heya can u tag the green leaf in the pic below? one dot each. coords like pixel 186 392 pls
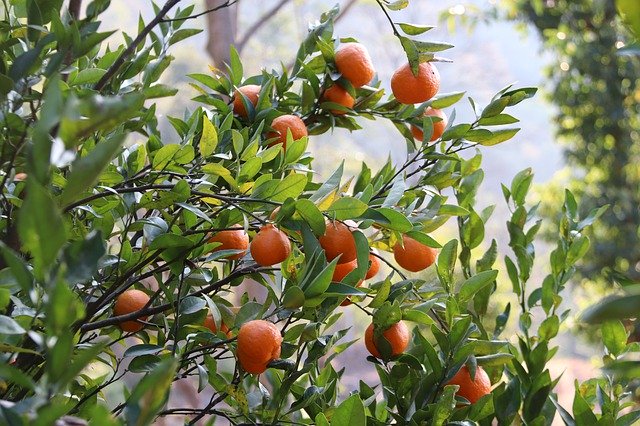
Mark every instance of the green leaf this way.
pixel 577 249
pixel 290 187
pixel 498 136
pixel 476 283
pixel 150 394
pixel 613 308
pixel 86 170
pixel 209 139
pixel 164 241
pixel 40 227
pixel 614 337
pixel 382 294
pixel 319 284
pixel 164 156
pixel 183 34
pixel 18 267
pixel 329 185
pixel 446 263
pixel 349 413
pixel 498 120
pixel 312 215
pixel 87 76
pixel 582 411
pixel 413 29
pixel 346 208
pixel 13 375
pixel 82 257
pixel 495 108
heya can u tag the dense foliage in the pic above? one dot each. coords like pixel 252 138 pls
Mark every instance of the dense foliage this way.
pixel 88 213
pixel 594 82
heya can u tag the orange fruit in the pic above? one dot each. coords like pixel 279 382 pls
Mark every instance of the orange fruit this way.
pixel 20 177
pixel 270 246
pixel 397 335
pixel 338 240
pixel 233 239
pixel 374 267
pixel 343 269
pixel 338 95
pixel 414 256
pixel 286 122
pixel 258 344
pixel 471 390
pixel 211 325
pixel 411 89
pixel 438 126
pixel 354 63
pixel 128 302
pixel 252 92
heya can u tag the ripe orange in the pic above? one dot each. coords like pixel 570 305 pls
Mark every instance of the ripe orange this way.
pixel 128 302
pixel 338 95
pixel 235 239
pixel 411 89
pixel 438 126
pixel 374 267
pixel 270 246
pixel 286 122
pixel 258 344
pixel 397 335
pixel 343 269
pixel 211 325
pixel 354 63
pixel 252 92
pixel 414 256
pixel 338 240
pixel 472 390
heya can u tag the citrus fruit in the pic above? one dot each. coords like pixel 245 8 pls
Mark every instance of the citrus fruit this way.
pixel 471 390
pixel 251 92
pixel 374 267
pixel 20 177
pixel 411 89
pixel 343 269
pixel 286 122
pixel 128 302
pixel 232 239
pixel 258 344
pixel 211 325
pixel 438 126
pixel 338 95
pixel 270 246
pixel 397 335
pixel 338 241
pixel 354 63
pixel 413 255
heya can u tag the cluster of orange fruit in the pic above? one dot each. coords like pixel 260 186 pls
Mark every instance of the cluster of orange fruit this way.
pixel 259 341
pixel 353 62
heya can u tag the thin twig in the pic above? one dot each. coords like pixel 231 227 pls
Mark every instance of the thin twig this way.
pixel 197 15
pixel 250 32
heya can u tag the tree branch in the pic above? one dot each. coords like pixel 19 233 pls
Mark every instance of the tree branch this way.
pixel 266 17
pixel 113 69
pixel 197 15
pixel 152 310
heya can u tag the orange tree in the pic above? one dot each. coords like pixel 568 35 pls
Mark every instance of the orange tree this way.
pixel 120 261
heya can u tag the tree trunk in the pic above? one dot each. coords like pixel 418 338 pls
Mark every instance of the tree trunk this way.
pixel 223 28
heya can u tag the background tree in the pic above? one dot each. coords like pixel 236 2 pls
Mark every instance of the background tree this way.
pixel 595 87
